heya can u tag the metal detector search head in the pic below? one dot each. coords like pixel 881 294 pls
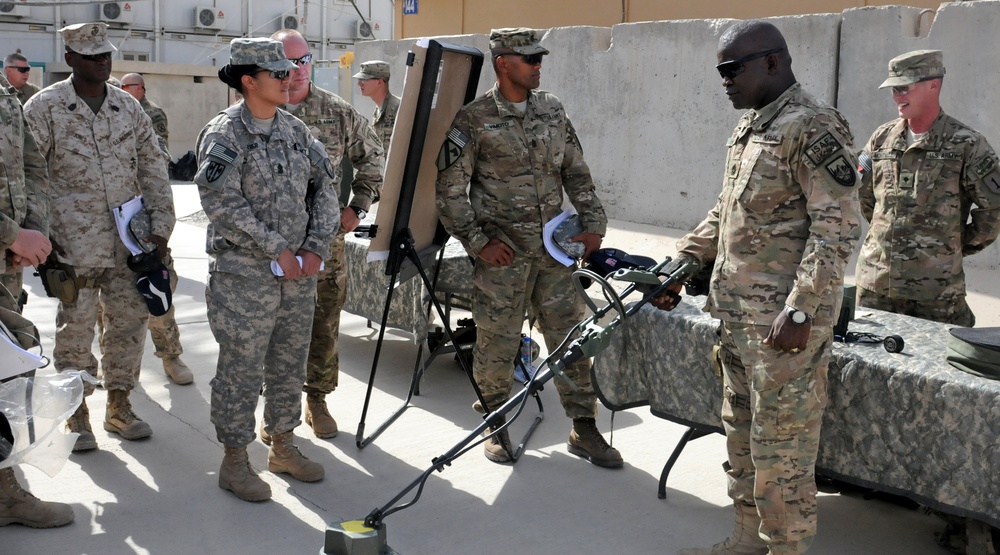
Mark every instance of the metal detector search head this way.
pixel 352 537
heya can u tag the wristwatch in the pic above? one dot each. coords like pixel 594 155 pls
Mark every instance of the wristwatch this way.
pixel 361 212
pixel 798 317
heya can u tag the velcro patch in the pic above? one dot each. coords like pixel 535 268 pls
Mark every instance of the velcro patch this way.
pixel 223 152
pixel 842 171
pixel 495 126
pixel 319 157
pixel 992 182
pixel 452 149
pixel 822 148
pixel 766 138
pixel 983 166
pixel 218 163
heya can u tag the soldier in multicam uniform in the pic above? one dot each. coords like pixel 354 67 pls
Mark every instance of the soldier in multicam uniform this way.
pixel 346 135
pixel 780 236
pixel 163 329
pixel 268 189
pixel 373 80
pixel 16 67
pixel 101 152
pixel 932 196
pixel 24 215
pixel 509 160
pixel 23 225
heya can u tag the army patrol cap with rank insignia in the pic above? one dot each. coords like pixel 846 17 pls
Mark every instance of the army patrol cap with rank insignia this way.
pixel 375 69
pixel 87 38
pixel 520 40
pixel 261 52
pixel 914 67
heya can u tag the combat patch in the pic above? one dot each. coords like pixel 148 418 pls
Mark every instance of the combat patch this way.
pixel 842 171
pixel 319 157
pixel 218 163
pixel 822 148
pixel 452 149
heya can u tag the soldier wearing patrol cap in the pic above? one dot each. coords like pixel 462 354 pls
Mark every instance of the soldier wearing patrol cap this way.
pixel 373 80
pixel 268 189
pixel 780 237
pixel 101 152
pixel 931 191
pixel 509 161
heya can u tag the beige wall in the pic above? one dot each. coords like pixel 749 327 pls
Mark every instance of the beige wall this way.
pixel 458 17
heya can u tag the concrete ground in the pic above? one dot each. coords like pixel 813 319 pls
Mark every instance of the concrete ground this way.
pixel 160 495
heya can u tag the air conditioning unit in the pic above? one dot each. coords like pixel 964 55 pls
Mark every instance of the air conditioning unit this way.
pixel 209 18
pixel 367 30
pixel 115 12
pixel 14 9
pixel 290 22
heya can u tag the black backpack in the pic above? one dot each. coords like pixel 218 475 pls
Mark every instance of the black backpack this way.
pixel 184 168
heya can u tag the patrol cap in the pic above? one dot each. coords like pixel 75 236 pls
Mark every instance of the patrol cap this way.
pixel 519 40
pixel 375 69
pixel 262 52
pixel 976 351
pixel 87 38
pixel 911 67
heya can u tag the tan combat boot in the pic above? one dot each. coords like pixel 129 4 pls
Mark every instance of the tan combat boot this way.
pixel 17 506
pixel 286 457
pixel 177 371
pixel 264 436
pixel 493 448
pixel 587 442
pixel 237 476
pixel 318 417
pixel 745 540
pixel 80 423
pixel 119 418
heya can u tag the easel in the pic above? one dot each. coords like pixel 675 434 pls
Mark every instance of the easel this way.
pixel 402 245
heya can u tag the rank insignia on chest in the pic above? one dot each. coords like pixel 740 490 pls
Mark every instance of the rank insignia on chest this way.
pixel 823 148
pixel 842 171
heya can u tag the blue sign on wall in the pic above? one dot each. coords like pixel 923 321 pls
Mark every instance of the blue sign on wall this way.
pixel 410 7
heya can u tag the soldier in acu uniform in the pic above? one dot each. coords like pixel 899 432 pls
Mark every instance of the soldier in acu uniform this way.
pixel 517 158
pixel 347 136
pixel 780 237
pixel 267 187
pixel 373 80
pixel 101 152
pixel 931 191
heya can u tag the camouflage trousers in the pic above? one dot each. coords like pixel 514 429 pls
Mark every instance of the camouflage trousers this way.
pixel 323 367
pixel 262 327
pixel 124 320
pixel 954 311
pixel 501 298
pixel 772 410
pixel 163 329
pixel 14 282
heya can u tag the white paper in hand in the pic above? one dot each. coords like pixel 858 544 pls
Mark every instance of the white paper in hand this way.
pixel 276 268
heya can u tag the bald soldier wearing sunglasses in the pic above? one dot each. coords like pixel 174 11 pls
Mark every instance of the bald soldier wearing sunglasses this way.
pixel 780 237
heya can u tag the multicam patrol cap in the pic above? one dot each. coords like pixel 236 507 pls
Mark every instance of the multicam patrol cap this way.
pixel 520 40
pixel 911 67
pixel 87 38
pixel 375 69
pixel 262 52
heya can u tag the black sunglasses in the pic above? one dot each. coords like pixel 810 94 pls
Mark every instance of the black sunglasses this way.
pixel 732 68
pixel 301 61
pixel 530 59
pixel 102 57
pixel 20 69
pixel 279 74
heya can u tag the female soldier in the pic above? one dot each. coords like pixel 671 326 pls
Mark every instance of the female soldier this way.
pixel 268 190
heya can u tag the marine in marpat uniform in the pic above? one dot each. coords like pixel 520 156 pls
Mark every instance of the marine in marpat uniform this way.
pixel 931 191
pixel 780 237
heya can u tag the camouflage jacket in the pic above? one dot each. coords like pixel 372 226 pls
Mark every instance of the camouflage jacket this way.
pixel 343 131
pixel 27 91
pixel 505 173
pixel 263 194
pixel 788 216
pixel 384 118
pixel 97 162
pixel 919 201
pixel 23 175
pixel 159 119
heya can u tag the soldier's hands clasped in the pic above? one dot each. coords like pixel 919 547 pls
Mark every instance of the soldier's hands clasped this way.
pixel 497 253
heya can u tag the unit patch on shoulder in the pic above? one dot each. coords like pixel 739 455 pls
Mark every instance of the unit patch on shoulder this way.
pixel 992 182
pixel 218 163
pixel 842 171
pixel 452 149
pixel 823 148
pixel 984 165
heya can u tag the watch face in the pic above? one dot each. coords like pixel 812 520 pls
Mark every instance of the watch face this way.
pixel 799 317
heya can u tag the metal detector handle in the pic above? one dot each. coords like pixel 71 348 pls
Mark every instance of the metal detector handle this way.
pixel 366 231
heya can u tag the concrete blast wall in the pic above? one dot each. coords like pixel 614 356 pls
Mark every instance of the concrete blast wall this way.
pixel 650 111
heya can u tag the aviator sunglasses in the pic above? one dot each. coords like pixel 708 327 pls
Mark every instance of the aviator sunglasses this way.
pixel 732 68
pixel 280 74
pixel 20 69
